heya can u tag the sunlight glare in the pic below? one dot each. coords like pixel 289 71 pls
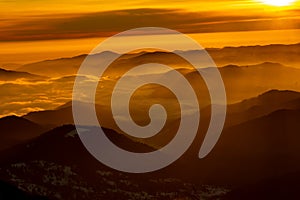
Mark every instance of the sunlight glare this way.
pixel 278 2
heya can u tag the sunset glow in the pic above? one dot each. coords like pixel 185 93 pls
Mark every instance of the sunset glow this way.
pixel 278 2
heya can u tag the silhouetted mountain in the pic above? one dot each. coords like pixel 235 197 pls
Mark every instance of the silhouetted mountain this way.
pixel 54 67
pixel 279 53
pixel 59 67
pixel 253 151
pixel 52 118
pixel 66 139
pixel 8 75
pixel 285 54
pixel 246 110
pixel 264 104
pixel 58 166
pixel 243 82
pixel 10 66
pixel 59 116
pixel 15 130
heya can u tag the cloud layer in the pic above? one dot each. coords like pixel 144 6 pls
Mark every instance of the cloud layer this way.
pixel 103 24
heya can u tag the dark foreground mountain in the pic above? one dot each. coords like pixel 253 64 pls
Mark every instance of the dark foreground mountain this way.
pixel 277 188
pixel 15 130
pixel 9 192
pixel 57 165
pixel 256 150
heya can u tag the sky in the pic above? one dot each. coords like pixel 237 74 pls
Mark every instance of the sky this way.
pixel 61 28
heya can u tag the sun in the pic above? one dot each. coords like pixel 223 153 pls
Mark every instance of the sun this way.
pixel 278 2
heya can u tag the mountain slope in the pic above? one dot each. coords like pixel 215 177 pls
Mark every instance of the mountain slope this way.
pixel 261 105
pixel 243 82
pixel 253 151
pixel 58 166
pixel 285 54
pixel 59 67
pixel 52 118
pixel 15 130
pixel 254 107
pixel 8 75
pixel 224 56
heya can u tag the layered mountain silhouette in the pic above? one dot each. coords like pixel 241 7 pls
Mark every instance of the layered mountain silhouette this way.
pixel 285 54
pixel 9 75
pixel 52 118
pixel 245 55
pixel 10 66
pixel 54 67
pixel 264 104
pixel 241 80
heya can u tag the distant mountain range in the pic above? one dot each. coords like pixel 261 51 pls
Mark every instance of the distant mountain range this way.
pixel 247 55
pixel 241 82
pixel 264 104
pixel 9 75
pixel 244 82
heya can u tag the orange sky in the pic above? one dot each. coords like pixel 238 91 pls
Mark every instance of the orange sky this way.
pixel 64 28
pixel 53 19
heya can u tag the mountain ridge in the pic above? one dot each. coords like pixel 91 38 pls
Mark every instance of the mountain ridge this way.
pixel 222 57
pixel 12 75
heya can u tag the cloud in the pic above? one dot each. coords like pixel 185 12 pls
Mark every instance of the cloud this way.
pixel 20 97
pixel 103 24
